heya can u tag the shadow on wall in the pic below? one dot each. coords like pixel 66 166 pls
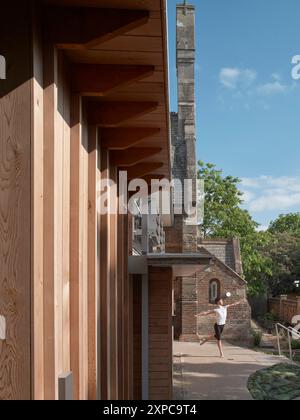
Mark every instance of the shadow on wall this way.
pixel 15 68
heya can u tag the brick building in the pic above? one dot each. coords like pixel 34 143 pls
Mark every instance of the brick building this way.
pixel 223 275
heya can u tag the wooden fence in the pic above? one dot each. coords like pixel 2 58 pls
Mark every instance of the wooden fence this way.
pixel 283 308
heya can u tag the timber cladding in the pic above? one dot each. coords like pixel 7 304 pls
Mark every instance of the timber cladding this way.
pixel 64 286
pixel 160 334
pixel 137 336
pixel 15 204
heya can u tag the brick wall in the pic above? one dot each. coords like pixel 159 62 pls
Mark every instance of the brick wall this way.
pixel 239 318
pixel 174 236
pixel 226 250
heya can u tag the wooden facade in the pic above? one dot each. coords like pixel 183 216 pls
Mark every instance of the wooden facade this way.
pixel 86 95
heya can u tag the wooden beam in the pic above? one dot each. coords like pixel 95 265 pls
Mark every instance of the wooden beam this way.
pixel 133 155
pixel 101 79
pixel 112 114
pixel 84 27
pixel 123 138
pixel 151 177
pixel 141 169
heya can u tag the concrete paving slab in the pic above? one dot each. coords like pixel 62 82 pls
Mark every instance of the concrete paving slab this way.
pixel 200 374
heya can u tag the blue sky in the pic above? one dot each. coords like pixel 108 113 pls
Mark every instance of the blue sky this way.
pixel 248 105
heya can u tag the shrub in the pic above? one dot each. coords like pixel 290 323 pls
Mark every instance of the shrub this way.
pixel 257 337
pixel 296 344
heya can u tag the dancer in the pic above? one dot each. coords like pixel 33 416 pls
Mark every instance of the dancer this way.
pixel 221 314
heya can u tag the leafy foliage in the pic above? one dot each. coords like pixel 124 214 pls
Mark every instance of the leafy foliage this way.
pixel 286 223
pixel 271 259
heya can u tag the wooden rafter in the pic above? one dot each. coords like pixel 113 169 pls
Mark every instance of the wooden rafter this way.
pixel 113 114
pixel 142 169
pixel 122 138
pixel 133 155
pixel 84 27
pixel 101 79
pixel 151 177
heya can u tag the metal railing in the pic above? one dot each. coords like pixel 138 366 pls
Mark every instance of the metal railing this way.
pixel 291 332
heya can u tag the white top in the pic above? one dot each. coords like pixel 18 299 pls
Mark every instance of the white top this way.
pixel 221 313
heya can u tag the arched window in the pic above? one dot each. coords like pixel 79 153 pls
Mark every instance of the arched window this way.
pixel 214 290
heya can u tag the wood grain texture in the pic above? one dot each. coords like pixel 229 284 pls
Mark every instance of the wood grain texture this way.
pixel 75 241
pixel 113 271
pixel 37 179
pixel 66 178
pixel 84 188
pixel 160 333
pixel 104 281
pixel 15 235
pixel 79 250
pixel 92 264
pixel 137 337
pixel 50 99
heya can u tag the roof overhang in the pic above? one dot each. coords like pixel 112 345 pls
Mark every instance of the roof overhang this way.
pixel 183 265
pixel 118 56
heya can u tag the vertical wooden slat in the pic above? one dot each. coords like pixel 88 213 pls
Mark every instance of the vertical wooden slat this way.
pixel 121 279
pixel 92 264
pixel 160 333
pixel 113 271
pixel 84 259
pixel 37 176
pixel 79 249
pixel 137 336
pixel 59 203
pixel 98 274
pixel 66 222
pixel 130 340
pixel 56 220
pixel 104 281
pixel 50 99
pixel 128 318
pixel 75 274
pixel 15 237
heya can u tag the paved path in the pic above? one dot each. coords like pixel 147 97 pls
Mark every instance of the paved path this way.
pixel 199 374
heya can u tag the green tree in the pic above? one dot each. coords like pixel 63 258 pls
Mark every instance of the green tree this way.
pixel 283 252
pixel 286 223
pixel 224 218
pixel 271 259
pixel 222 197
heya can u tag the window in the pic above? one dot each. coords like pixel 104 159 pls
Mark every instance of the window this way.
pixel 2 68
pixel 214 290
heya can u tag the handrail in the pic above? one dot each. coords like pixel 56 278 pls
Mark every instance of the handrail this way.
pixel 291 331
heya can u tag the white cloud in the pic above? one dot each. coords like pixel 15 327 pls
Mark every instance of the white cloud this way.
pixel 262 228
pixel 271 202
pixel 267 193
pixel 276 76
pixel 233 78
pixel 272 88
pixel 248 196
